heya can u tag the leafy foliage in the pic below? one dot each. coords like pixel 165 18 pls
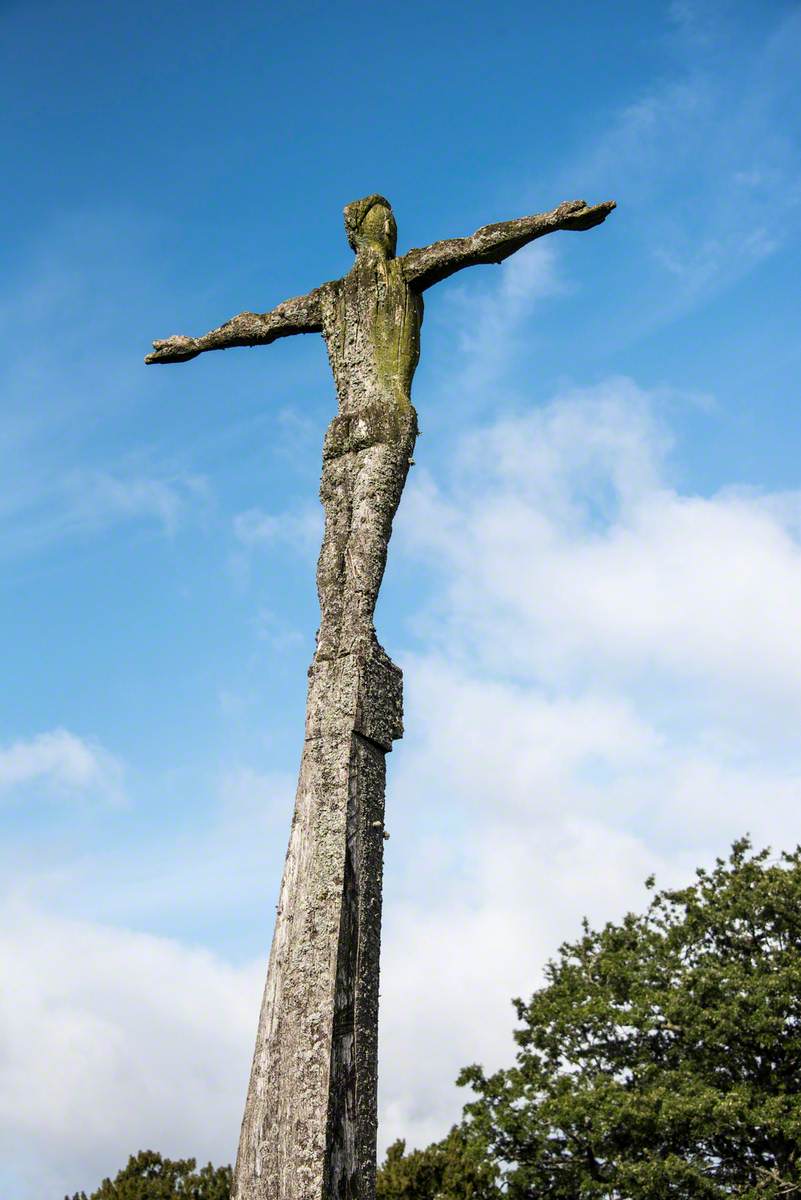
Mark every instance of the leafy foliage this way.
pixel 663 1058
pixel 148 1176
pixel 458 1168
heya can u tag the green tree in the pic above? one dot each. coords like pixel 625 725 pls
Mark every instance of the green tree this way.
pixel 457 1168
pixel 663 1057
pixel 148 1176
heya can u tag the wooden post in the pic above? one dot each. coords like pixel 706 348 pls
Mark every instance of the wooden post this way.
pixel 309 1129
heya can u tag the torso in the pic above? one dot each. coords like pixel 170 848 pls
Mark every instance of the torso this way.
pixel 371 324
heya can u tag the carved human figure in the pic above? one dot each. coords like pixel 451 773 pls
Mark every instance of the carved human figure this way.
pixel 371 319
pixel 309 1127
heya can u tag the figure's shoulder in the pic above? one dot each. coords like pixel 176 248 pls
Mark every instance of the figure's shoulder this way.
pixel 418 262
pixel 327 294
pixel 324 290
pixel 407 262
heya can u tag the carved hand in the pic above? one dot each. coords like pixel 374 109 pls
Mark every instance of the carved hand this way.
pixel 580 215
pixel 174 349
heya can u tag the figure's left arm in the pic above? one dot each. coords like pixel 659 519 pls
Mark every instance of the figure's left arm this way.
pixel 494 243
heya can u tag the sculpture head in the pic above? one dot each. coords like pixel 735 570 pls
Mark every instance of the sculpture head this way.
pixel 370 225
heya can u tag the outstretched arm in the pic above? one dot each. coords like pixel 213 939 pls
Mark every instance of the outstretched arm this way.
pixel 301 315
pixel 494 243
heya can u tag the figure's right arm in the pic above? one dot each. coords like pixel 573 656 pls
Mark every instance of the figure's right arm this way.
pixel 300 315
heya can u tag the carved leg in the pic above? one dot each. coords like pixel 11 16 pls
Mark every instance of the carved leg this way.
pixel 336 491
pixel 378 478
pixel 360 491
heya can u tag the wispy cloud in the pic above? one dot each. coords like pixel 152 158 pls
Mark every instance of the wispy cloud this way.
pixel 694 25
pixel 702 164
pixel 489 320
pixel 274 629
pixel 299 528
pixel 59 763
pixel 100 499
pixel 82 503
pixel 67 471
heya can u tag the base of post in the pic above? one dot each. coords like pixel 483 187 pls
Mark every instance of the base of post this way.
pixel 309 1130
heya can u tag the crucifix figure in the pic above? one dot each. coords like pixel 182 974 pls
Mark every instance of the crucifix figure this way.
pixel 309 1128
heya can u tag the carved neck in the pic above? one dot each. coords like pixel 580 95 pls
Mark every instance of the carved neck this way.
pixel 372 252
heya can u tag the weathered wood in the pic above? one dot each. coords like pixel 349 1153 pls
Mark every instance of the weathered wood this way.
pixel 309 1129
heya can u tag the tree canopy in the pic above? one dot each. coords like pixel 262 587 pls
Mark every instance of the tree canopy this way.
pixel 661 1059
pixel 458 1168
pixel 148 1176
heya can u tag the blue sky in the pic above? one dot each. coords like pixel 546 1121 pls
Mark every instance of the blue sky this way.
pixel 595 583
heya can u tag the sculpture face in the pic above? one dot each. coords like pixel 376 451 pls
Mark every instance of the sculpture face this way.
pixel 376 230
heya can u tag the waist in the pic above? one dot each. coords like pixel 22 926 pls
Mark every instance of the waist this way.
pixel 391 420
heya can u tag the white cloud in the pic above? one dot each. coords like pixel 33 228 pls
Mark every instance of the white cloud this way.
pixel 59 762
pixel 614 569
pixel 83 503
pixel 101 498
pixel 489 320
pixel 251 799
pixel 465 724
pixel 220 871
pixel 608 687
pixel 452 962
pixel 115 1041
pixel 300 528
